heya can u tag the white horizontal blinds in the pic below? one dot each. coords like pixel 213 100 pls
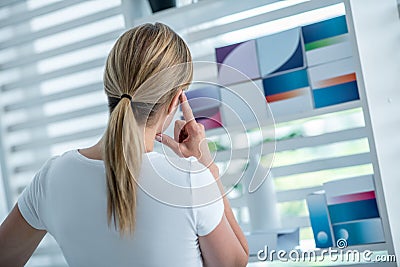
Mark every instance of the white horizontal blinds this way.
pixel 312 147
pixel 52 55
pixel 310 152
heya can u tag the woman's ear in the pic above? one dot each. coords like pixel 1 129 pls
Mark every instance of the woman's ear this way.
pixel 175 102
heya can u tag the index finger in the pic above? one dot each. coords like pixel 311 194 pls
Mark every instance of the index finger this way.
pixel 186 109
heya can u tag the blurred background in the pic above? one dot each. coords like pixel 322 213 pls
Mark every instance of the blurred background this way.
pixel 52 55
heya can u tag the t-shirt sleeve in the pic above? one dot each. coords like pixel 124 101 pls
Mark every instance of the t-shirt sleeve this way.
pixel 207 201
pixel 30 202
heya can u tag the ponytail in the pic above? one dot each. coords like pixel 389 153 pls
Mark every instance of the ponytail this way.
pixel 132 70
pixel 123 145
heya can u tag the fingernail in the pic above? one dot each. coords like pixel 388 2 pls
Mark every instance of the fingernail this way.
pixel 158 138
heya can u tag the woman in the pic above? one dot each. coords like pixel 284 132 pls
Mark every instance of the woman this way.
pixel 91 200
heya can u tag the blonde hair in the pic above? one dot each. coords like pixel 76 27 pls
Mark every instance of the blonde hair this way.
pixel 133 67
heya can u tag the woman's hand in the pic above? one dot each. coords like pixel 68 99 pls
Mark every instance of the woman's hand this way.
pixel 189 137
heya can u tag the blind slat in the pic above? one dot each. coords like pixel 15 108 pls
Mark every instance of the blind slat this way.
pixel 33 58
pixel 61 27
pixel 311 141
pixel 45 142
pixel 40 100
pixel 202 35
pixel 193 15
pixel 34 80
pixel 295 222
pixel 322 164
pixel 296 194
pixel 22 16
pixel 39 122
pixel 5 3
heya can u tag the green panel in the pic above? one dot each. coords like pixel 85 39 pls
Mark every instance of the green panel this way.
pixel 325 42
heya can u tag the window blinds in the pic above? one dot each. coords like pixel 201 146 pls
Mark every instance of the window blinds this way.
pixel 52 55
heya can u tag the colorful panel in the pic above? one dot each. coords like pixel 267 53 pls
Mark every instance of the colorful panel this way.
pixel 300 101
pixel 212 122
pixel 324 33
pixel 280 60
pixel 352 211
pixel 319 74
pixel 243 103
pixel 288 93
pixel 285 83
pixel 337 50
pixel 320 222
pixel 351 77
pixel 222 52
pixel 348 186
pixel 334 83
pixel 360 232
pixel 205 103
pixel 280 52
pixel 326 42
pixel 285 95
pixel 238 63
pixel 336 94
pixel 351 197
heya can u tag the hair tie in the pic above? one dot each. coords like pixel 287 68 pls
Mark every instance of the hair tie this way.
pixel 126 96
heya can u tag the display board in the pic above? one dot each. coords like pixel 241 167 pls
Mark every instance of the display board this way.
pixel 302 73
pixel 300 69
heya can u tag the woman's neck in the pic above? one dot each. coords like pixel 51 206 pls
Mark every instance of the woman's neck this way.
pixel 96 151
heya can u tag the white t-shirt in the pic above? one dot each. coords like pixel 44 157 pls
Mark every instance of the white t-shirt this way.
pixel 68 198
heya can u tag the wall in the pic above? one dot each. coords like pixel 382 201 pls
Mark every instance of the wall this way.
pixel 377 28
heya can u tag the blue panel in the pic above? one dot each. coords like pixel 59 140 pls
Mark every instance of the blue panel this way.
pixel 285 82
pixel 319 218
pixel 336 94
pixel 280 52
pixel 351 211
pixel 295 61
pixel 360 232
pixel 324 29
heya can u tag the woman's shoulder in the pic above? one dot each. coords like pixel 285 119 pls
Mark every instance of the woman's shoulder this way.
pixel 165 165
pixel 170 163
pixel 175 169
pixel 64 161
pixel 48 164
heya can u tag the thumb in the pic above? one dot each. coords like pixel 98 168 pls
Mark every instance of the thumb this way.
pixel 169 142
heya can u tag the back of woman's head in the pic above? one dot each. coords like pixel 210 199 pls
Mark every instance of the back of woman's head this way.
pixel 149 63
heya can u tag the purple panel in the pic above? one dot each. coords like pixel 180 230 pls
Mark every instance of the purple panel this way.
pixel 212 122
pixel 205 103
pixel 222 52
pixel 241 64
